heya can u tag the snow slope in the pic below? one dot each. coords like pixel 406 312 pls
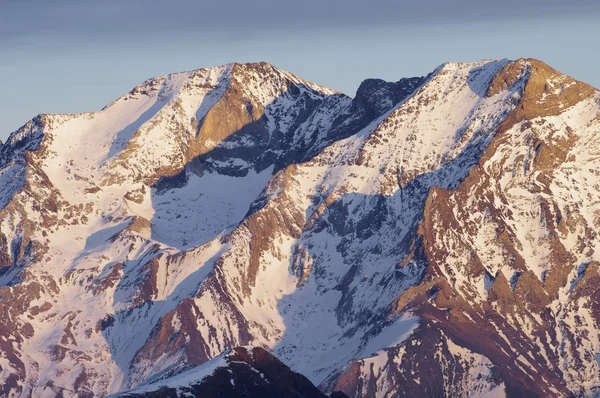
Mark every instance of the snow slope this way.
pixel 432 237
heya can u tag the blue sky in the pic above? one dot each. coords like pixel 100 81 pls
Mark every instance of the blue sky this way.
pixel 72 56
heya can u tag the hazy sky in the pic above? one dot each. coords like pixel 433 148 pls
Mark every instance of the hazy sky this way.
pixel 68 56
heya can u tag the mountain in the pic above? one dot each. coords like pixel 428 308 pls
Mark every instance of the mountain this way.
pixel 434 236
pixel 241 372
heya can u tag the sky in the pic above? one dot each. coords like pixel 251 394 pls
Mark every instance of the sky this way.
pixel 70 56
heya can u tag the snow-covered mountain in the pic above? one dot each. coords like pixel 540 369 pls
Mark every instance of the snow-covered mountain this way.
pixel 434 236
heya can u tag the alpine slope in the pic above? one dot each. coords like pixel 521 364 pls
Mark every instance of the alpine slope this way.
pixel 239 230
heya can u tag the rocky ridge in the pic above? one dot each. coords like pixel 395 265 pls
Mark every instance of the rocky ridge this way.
pixel 435 236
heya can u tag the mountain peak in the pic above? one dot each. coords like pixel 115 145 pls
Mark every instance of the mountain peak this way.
pixel 451 218
pixel 546 91
pixel 269 73
pixel 453 65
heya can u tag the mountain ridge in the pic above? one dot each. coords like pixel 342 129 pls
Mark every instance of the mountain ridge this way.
pixel 240 205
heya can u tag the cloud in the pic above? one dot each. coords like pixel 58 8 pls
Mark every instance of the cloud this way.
pixel 110 19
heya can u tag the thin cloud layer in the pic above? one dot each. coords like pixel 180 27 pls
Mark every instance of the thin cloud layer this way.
pixel 101 20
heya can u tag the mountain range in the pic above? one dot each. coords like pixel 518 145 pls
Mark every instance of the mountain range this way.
pixel 240 231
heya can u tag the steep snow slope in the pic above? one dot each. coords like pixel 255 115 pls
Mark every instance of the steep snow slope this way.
pixel 434 236
pixel 79 197
pixel 502 267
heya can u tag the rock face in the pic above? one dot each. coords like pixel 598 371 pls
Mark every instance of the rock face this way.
pixel 242 372
pixel 437 236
